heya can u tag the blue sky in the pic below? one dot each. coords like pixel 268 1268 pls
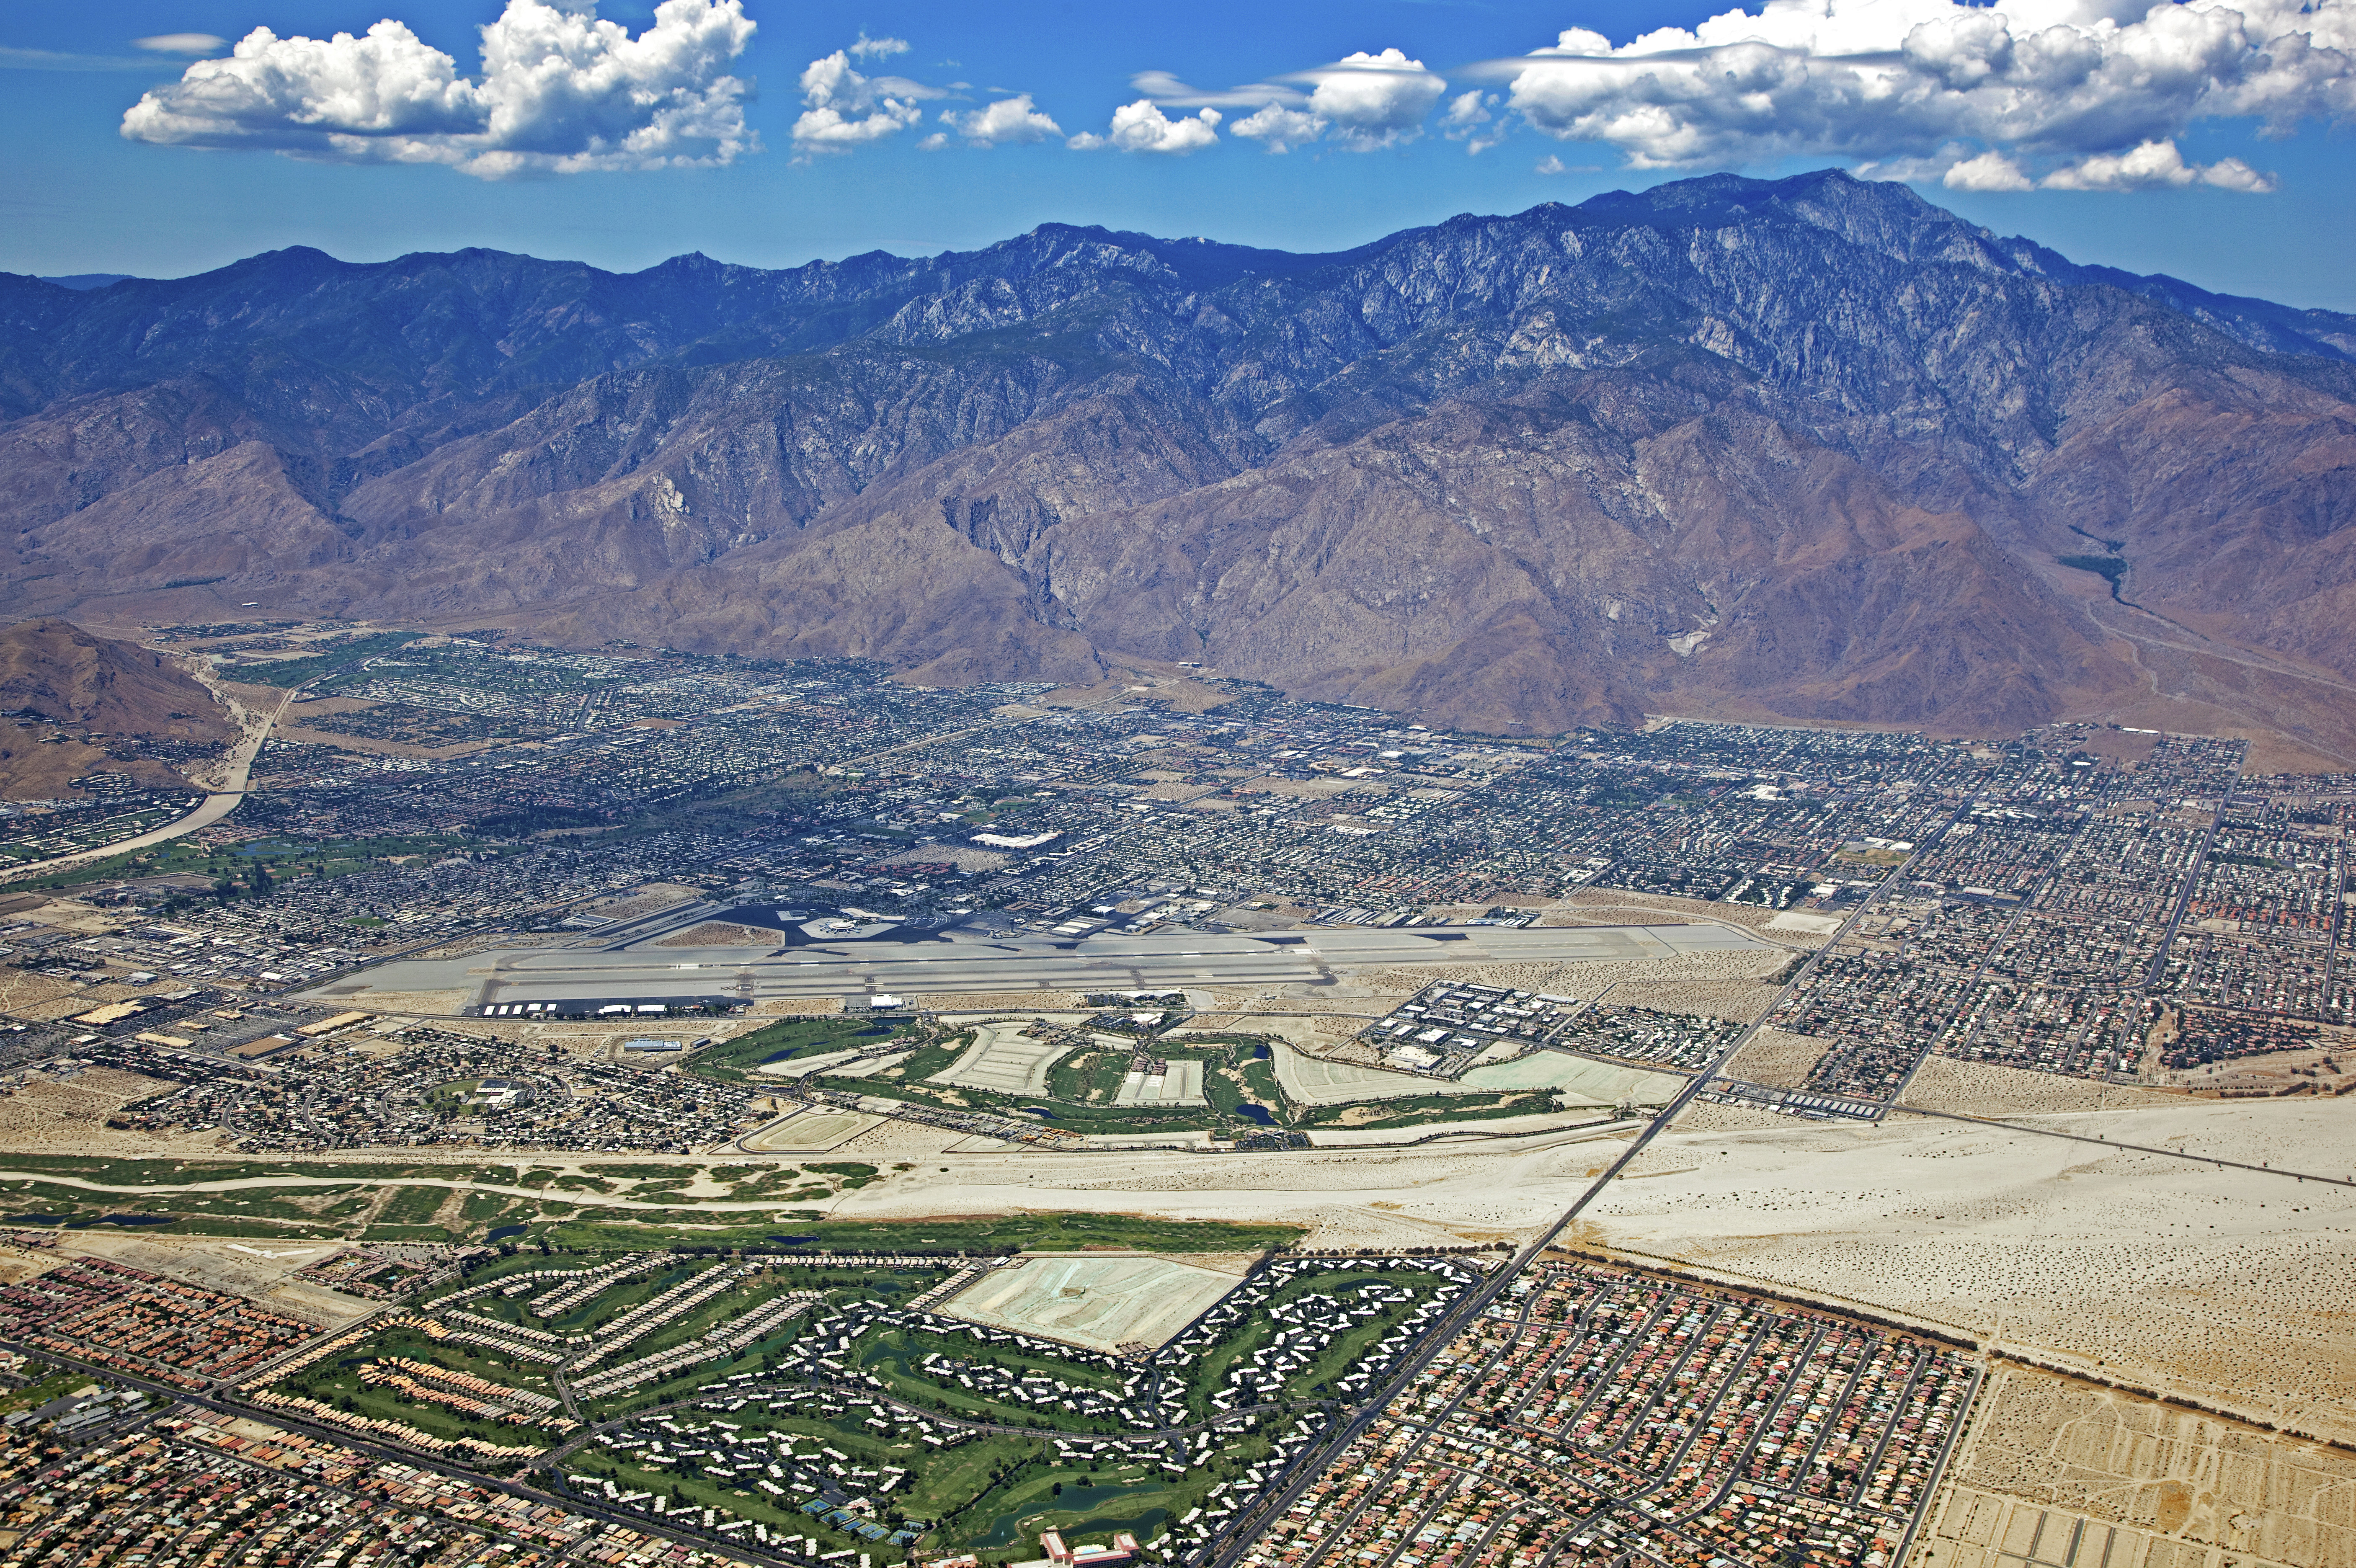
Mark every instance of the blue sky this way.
pixel 2207 140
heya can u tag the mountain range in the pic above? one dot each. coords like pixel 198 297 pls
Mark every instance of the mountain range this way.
pixel 1811 449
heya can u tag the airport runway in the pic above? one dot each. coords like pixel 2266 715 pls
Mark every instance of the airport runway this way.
pixel 976 962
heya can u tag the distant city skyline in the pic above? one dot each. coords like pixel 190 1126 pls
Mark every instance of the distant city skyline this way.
pixel 2206 141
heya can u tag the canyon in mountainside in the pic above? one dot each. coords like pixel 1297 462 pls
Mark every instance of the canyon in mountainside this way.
pixel 1811 449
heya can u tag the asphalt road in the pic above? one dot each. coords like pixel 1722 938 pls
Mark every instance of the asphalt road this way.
pixel 1231 1546
pixel 1223 1552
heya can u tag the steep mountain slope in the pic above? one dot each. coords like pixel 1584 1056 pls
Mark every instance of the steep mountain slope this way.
pixel 55 678
pixel 56 671
pixel 1812 448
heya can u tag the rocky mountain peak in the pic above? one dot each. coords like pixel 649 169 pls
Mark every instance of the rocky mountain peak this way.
pixel 1811 446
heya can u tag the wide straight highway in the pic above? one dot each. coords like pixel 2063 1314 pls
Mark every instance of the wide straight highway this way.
pixel 967 961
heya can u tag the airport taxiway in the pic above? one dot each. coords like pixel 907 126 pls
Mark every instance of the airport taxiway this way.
pixel 987 961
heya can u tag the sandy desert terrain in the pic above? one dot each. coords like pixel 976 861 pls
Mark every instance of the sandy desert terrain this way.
pixel 2232 1287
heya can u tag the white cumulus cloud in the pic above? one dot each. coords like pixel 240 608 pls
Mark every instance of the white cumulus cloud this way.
pixel 1467 110
pixel 2154 164
pixel 1374 100
pixel 560 93
pixel 1141 127
pixel 1471 119
pixel 1015 119
pixel 845 110
pixel 1363 103
pixel 1989 171
pixel 1280 129
pixel 2080 88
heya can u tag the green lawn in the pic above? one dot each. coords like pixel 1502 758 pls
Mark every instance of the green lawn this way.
pixel 1050 1498
pixel 411 1205
pixel 268 1211
pixel 417 1346
pixel 55 1385
pixel 1423 1109
pixel 337 1382
pixel 168 1173
pixel 609 1304
pixel 738 1061
pixel 265 1203
pixel 1089 1077
pixel 483 1211
pixel 893 1355
pixel 1069 1116
pixel 684 1488
pixel 1210 1369
pixel 294 672
pixel 937 1481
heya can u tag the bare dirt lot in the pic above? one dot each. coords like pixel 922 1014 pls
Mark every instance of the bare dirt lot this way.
pixel 1584 978
pixel 1736 1001
pixel 1974 1089
pixel 259 1271
pixel 1024 1004
pixel 2059 1472
pixel 1348 1198
pixel 418 1003
pixel 642 899
pixel 1615 906
pixel 721 934
pixel 1778 1058
pixel 21 992
pixel 797 1006
pixel 1099 1302
pixel 48 1114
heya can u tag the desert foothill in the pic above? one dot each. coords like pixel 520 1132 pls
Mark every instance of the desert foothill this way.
pixel 1431 786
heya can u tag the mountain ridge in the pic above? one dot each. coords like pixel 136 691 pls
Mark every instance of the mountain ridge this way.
pixel 1812 448
pixel 114 693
